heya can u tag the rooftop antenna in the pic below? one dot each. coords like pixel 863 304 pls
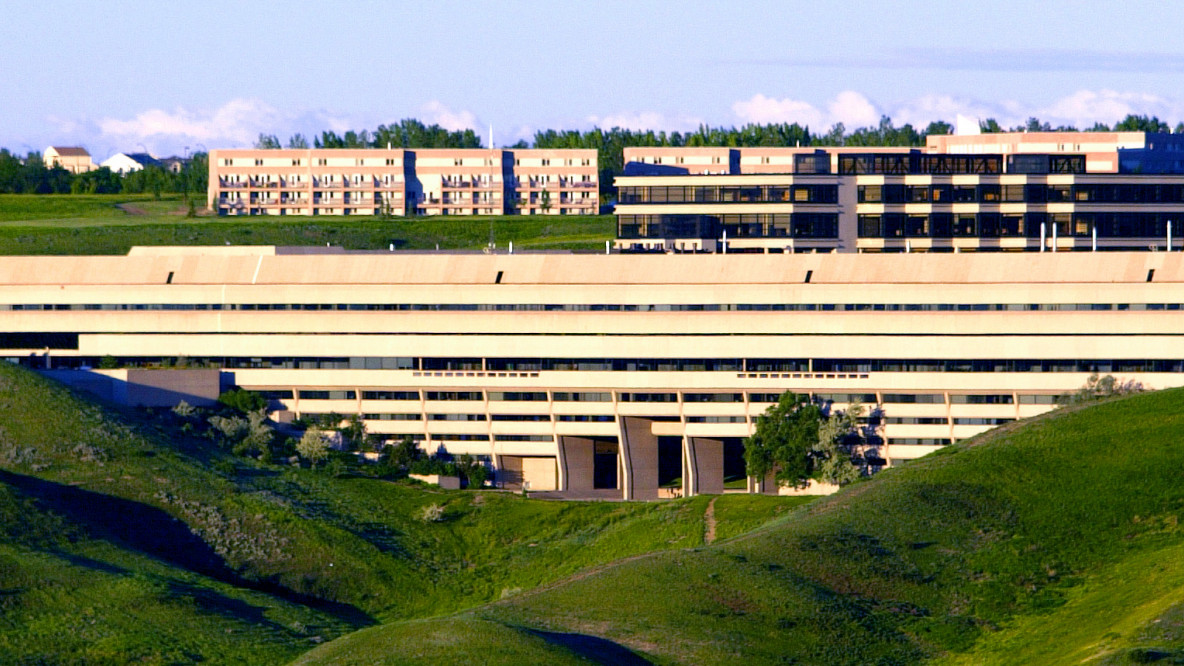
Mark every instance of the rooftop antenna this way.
pixel 491 146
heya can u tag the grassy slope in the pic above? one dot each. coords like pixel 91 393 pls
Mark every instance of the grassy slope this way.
pixel 1042 542
pixel 106 522
pixel 93 224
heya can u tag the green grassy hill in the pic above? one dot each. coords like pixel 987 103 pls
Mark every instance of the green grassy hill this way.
pixel 1047 542
pixel 121 542
pixel 110 224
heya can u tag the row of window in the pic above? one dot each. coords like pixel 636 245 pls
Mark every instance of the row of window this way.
pixel 915 162
pixel 1033 193
pixel 753 225
pixel 820 194
pixel 562 396
pixel 614 307
pixel 1028 225
pixel 784 365
pixel 609 418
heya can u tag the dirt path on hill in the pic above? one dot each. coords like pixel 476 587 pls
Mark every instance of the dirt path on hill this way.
pixel 709 523
pixel 131 209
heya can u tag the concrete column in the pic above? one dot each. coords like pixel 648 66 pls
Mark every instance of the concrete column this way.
pixel 576 464
pixel 704 469
pixel 639 459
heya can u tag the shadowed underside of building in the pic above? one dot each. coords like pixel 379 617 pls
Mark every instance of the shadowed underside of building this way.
pixel 630 376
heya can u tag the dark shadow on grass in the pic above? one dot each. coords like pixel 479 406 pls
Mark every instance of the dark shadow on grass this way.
pixel 594 648
pixel 236 609
pixel 156 533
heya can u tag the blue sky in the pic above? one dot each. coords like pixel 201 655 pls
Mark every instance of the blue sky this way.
pixel 126 75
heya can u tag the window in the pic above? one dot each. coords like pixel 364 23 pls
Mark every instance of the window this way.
pixel 982 399
pixel 455 395
pixel 583 397
pixel 518 396
pixel 713 397
pixel 328 395
pixel 390 395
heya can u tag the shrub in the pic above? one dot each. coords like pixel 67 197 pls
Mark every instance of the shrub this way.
pixel 243 401
pixel 432 513
pixel 184 410
pixel 313 446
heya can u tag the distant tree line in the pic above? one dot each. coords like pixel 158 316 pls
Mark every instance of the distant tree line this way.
pixel 610 143
pixel 30 175
pixel 408 133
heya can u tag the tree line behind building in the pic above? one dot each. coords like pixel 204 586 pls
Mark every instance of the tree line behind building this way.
pixel 30 174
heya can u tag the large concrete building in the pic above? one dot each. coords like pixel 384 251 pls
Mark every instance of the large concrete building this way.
pixel 404 182
pixel 605 374
pixel 1042 191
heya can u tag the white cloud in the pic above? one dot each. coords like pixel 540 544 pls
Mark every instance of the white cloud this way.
pixel 238 121
pixel 1085 107
pixel 763 110
pixel 853 110
pixel 235 124
pixel 928 108
pixel 644 120
pixel 849 107
pixel 434 112
pixel 1080 109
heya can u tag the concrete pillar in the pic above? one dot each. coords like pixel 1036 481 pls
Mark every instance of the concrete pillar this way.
pixel 703 471
pixel 639 459
pixel 576 463
pixel 763 486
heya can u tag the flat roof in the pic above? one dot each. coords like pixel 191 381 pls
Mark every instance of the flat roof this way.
pixel 264 265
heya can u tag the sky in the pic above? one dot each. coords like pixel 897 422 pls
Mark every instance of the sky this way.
pixel 187 75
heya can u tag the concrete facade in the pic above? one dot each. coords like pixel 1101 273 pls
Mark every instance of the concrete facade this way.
pixel 611 374
pixel 1036 192
pixel 400 182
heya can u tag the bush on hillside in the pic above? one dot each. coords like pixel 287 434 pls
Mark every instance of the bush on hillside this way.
pixel 242 400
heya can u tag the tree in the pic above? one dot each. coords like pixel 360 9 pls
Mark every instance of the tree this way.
pixel 243 400
pixel 799 442
pixel 267 141
pixel 785 436
pixel 313 446
pixel 1133 123
pixel 297 141
pixel 990 126
pixel 938 127
pixel 354 433
pixel 545 201
pixel 405 453
pixel 834 457
pixel 472 471
pixel 1099 388
pixel 258 438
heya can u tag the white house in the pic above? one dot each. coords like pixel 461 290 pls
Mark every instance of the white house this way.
pixel 128 162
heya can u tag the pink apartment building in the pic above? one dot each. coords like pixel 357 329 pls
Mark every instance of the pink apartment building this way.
pixel 403 182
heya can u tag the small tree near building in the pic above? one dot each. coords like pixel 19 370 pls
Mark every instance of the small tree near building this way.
pixel 313 446
pixel 796 441
pixel 785 436
pixel 835 458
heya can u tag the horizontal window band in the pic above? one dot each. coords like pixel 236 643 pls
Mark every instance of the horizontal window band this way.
pixel 582 308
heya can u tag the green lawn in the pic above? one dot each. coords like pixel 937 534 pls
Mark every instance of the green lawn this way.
pixel 1044 542
pixel 123 540
pixel 110 224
